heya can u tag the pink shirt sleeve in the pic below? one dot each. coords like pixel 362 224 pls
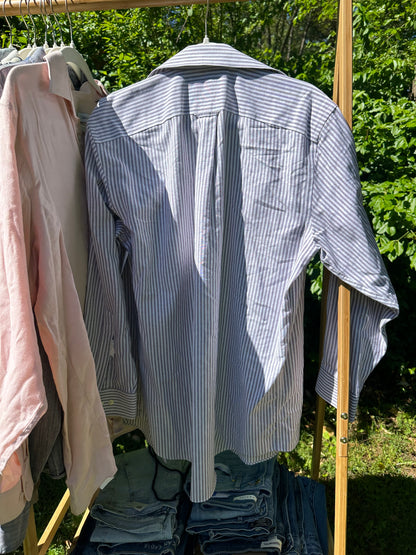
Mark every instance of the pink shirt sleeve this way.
pixel 22 395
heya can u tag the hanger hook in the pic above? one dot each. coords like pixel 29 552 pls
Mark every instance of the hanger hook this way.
pixel 70 24
pixel 24 21
pixel 50 24
pixel 57 23
pixel 27 2
pixel 8 23
pixel 45 22
pixel 206 39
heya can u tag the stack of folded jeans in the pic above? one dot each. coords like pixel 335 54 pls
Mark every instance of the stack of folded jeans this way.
pixel 260 508
pixel 241 514
pixel 142 510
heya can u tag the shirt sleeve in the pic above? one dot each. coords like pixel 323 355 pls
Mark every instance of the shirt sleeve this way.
pixel 344 236
pixel 22 395
pixel 107 308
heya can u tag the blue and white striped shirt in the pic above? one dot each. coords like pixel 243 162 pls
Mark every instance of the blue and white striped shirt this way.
pixel 211 185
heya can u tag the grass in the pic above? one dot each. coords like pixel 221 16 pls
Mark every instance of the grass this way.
pixel 381 477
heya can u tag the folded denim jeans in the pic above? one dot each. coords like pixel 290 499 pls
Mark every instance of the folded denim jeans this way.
pixel 142 499
pixel 235 476
pixel 141 530
pixel 243 495
pixel 222 519
pixel 175 546
pixel 271 543
pixel 156 548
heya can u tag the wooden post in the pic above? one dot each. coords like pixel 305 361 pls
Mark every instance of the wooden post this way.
pixel 30 543
pixel 341 473
pixel 57 517
pixel 343 65
pixel 343 97
pixel 320 403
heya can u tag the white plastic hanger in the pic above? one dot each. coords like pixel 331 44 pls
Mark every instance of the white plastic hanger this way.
pixel 75 59
pixel 30 48
pixel 62 44
pixel 13 53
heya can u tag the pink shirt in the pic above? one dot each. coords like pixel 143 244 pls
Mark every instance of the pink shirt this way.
pixel 43 234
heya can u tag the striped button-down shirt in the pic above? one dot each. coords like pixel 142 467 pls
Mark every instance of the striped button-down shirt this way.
pixel 211 185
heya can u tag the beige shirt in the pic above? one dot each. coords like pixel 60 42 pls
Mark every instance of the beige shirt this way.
pixel 43 235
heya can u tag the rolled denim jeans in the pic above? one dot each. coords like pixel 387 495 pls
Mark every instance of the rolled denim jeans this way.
pixel 128 504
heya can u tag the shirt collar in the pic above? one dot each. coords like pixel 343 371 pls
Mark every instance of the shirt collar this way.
pixel 60 83
pixel 212 54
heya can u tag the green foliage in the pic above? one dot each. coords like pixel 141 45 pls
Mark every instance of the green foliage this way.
pixel 385 135
pixel 384 47
pixel 393 206
pixel 386 147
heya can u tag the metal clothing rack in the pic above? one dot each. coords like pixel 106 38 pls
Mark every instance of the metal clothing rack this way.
pixel 343 97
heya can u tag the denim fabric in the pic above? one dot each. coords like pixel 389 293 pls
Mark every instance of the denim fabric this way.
pixel 156 548
pixel 233 476
pixel 152 528
pixel 250 524
pixel 294 521
pixel 267 544
pixel 302 504
pixel 177 545
pixel 241 515
pixel 313 503
pixel 13 533
pixel 243 498
pixel 128 510
pixel 287 501
pixel 174 546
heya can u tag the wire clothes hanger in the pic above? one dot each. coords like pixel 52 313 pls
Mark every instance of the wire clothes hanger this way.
pixel 8 24
pixel 27 2
pixel 25 24
pixel 13 54
pixel 62 44
pixel 46 22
